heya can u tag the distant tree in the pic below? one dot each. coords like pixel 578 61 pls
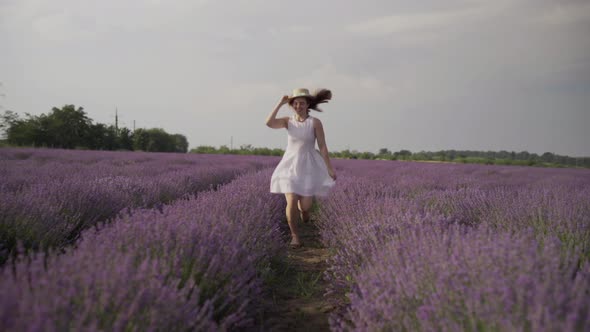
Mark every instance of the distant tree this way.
pixel 7 120
pixel 68 126
pixel 533 158
pixel 262 151
pixel 366 155
pixel 523 155
pixel 503 154
pixel 548 157
pixel 140 139
pixel 159 141
pixel 346 154
pixel 384 153
pixel 111 138
pixel 420 156
pixel 224 149
pixel 31 131
pixel 95 140
pixel 204 149
pixel 246 148
pixel 452 154
pixel 402 154
pixel 126 139
pixel 180 143
pixel 565 160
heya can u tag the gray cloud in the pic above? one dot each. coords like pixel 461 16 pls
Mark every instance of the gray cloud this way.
pixel 461 74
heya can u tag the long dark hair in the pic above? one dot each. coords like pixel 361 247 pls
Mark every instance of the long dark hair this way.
pixel 319 97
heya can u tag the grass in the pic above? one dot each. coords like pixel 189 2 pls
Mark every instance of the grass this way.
pixel 306 284
pixel 284 281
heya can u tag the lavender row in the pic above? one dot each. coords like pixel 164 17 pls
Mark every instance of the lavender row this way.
pixel 401 230
pixel 63 196
pixel 22 168
pixel 434 277
pixel 195 265
pixel 551 201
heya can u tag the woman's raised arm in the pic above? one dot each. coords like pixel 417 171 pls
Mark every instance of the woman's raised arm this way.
pixel 272 121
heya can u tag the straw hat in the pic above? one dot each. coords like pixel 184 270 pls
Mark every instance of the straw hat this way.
pixel 301 92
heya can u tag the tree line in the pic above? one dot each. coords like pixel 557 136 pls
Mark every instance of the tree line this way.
pixel 503 157
pixel 71 128
pixel 246 149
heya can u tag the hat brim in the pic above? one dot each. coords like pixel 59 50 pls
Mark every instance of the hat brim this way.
pixel 302 96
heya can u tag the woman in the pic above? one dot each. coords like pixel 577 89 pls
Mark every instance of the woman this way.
pixel 303 172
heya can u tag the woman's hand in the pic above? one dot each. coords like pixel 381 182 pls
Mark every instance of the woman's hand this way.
pixel 332 174
pixel 284 100
pixel 272 121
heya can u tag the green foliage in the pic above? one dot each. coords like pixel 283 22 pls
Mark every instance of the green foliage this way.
pixel 523 158
pixel 125 139
pixel 8 119
pixel 367 155
pixel 204 149
pixel 140 139
pixel 306 283
pixel 159 140
pixel 402 154
pixel 243 150
pixel 384 153
pixel 70 128
pixel 180 143
pixel 67 126
pixel 156 139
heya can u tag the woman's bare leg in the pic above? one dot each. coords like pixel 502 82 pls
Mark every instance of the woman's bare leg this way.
pixel 304 205
pixel 291 212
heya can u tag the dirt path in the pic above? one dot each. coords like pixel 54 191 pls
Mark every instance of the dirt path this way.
pixel 297 289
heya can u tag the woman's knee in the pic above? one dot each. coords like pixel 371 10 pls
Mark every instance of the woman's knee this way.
pixel 292 200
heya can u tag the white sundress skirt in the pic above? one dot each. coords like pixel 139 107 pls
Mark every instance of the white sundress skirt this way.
pixel 302 169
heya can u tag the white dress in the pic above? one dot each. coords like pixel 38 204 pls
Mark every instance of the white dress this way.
pixel 302 170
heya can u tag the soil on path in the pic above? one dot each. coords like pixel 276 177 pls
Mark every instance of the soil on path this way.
pixel 296 293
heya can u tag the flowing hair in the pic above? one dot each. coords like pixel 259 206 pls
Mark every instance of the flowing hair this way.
pixel 319 97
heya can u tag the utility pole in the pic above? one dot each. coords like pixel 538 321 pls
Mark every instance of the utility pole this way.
pixel 231 143
pixel 133 125
pixel 116 120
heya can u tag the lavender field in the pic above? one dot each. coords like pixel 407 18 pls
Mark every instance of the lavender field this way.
pixel 47 197
pixel 137 241
pixel 445 247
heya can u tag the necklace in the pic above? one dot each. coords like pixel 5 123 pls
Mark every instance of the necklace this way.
pixel 301 120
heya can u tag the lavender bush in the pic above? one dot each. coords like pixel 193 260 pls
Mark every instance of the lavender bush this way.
pixel 438 278
pixel 194 265
pixel 390 224
pixel 48 196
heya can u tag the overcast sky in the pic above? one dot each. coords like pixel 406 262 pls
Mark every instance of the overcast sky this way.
pixel 420 75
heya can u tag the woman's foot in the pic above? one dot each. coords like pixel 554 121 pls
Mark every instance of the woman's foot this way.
pixel 295 243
